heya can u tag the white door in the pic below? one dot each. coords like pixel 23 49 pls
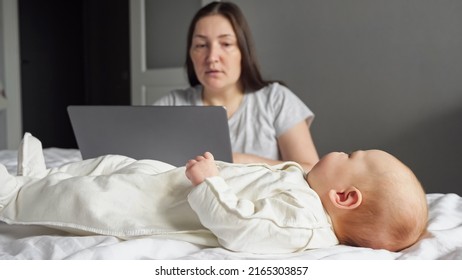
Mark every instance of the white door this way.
pixel 148 82
pixel 10 107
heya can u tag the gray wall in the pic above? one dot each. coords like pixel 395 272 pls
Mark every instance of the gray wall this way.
pixel 2 82
pixel 381 74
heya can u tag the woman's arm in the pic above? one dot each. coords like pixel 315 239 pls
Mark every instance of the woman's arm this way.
pixel 296 144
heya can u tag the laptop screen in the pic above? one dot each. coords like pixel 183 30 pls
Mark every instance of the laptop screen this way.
pixel 173 134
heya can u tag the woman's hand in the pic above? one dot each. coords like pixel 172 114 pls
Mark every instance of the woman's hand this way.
pixel 200 168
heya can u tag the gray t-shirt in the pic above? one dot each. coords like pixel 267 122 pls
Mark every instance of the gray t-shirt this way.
pixel 262 116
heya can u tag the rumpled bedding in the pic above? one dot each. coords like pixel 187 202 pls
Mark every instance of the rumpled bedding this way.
pixel 443 241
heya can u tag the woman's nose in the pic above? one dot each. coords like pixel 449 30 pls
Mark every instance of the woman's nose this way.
pixel 214 54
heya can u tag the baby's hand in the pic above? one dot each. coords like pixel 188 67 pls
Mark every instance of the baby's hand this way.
pixel 200 168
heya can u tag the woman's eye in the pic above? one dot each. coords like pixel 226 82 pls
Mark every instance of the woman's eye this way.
pixel 199 44
pixel 227 44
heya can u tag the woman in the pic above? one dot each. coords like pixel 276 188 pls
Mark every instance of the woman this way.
pixel 268 123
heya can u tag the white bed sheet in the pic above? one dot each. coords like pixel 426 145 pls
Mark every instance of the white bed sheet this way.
pixel 443 241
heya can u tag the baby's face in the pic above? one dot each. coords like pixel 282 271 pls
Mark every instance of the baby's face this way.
pixel 337 170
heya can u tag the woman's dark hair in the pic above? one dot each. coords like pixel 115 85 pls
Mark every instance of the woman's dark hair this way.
pixel 251 78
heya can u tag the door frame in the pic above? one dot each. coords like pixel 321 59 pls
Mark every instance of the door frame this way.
pixel 12 74
pixel 147 85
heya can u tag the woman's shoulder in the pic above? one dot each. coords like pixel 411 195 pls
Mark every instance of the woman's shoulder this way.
pixel 186 96
pixel 274 86
pixel 187 93
pixel 274 92
pixel 277 97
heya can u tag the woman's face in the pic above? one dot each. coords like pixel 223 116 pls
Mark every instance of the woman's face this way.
pixel 215 53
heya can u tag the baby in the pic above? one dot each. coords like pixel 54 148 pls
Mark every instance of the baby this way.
pixel 372 198
pixel 368 199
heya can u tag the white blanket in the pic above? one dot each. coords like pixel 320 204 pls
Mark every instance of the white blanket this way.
pixel 443 241
pixel 34 242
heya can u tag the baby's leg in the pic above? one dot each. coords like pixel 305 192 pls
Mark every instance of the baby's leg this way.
pixel 125 204
pixel 31 162
pixel 102 165
pixel 8 186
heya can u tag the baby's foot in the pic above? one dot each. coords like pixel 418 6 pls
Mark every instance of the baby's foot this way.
pixel 31 161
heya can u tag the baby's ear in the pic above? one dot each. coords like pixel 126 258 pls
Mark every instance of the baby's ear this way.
pixel 348 198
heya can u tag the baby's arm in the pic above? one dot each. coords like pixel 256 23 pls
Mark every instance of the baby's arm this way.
pixel 277 223
pixel 200 168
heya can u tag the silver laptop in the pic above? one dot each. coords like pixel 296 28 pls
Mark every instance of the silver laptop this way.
pixel 173 134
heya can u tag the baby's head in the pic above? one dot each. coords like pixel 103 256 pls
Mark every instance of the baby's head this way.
pixel 373 199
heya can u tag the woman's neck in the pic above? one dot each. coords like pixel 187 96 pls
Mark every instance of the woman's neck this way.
pixel 229 98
